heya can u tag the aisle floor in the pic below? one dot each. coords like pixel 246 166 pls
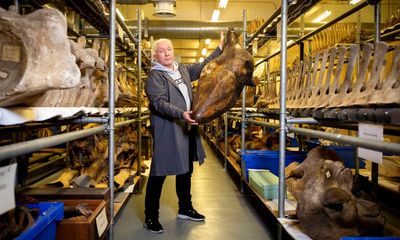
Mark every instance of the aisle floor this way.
pixel 228 213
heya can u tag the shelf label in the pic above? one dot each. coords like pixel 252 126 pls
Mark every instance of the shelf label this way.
pixel 101 222
pixel 370 131
pixel 7 187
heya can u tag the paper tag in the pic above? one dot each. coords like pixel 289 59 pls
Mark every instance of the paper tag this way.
pixel 234 124
pixel 7 187
pixel 148 123
pixel 11 53
pixel 370 131
pixel 101 222
pixel 291 135
pixel 3 74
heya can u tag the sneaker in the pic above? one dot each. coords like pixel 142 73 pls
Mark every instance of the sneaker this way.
pixel 191 214
pixel 153 225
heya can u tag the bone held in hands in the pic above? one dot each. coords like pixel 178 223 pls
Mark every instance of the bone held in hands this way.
pixel 222 80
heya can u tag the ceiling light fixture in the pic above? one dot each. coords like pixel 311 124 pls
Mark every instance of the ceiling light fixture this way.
pixel 164 8
pixel 208 41
pixel 203 51
pixel 215 15
pixel 321 17
pixel 201 60
pixel 223 3
pixel 354 2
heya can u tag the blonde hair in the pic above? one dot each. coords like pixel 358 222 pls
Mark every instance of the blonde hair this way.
pixel 155 44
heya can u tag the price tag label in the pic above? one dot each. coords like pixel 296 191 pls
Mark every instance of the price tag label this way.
pixel 101 222
pixel 370 131
pixel 7 187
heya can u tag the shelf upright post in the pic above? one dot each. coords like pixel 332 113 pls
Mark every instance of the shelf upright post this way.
pixel 243 101
pixel 139 93
pixel 111 121
pixel 226 141
pixel 282 112
pixel 16 4
pixel 377 20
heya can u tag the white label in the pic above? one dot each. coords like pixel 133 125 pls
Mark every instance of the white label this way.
pixel 370 131
pixel 7 187
pixel 11 53
pixel 148 123
pixel 234 124
pixel 101 222
pixel 3 74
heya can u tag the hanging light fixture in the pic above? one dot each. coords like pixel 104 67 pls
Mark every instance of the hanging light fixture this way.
pixel 208 41
pixel 223 3
pixel 354 2
pixel 164 8
pixel 321 17
pixel 215 15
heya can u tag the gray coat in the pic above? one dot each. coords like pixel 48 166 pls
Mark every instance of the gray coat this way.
pixel 169 129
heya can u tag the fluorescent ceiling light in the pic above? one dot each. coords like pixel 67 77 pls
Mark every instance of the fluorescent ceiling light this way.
pixel 215 15
pixel 354 2
pixel 203 51
pixel 208 41
pixel 120 14
pixel 321 17
pixel 201 60
pixel 223 3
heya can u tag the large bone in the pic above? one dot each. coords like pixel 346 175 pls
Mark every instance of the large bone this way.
pixel 373 82
pixel 325 87
pixel 389 93
pixel 35 55
pixel 316 88
pixel 222 80
pixel 334 87
pixel 345 87
pixel 322 185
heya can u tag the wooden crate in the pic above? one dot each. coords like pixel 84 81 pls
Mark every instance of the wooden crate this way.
pixel 82 230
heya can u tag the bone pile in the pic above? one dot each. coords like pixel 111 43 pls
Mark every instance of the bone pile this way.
pixel 330 79
pixel 89 161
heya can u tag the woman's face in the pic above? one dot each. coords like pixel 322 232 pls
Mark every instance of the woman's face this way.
pixel 165 54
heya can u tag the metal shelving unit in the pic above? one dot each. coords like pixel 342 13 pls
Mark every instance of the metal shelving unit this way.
pixel 108 123
pixel 285 123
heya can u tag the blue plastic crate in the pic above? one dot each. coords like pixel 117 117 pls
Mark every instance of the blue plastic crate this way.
pixel 370 238
pixel 261 159
pixel 45 225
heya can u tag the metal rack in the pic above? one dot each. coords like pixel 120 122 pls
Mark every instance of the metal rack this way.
pixel 285 124
pixel 108 123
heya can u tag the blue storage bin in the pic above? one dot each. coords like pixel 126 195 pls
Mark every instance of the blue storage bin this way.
pixel 45 225
pixel 261 159
pixel 370 238
pixel 347 153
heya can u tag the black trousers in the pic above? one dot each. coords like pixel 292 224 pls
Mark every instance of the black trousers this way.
pixel 183 184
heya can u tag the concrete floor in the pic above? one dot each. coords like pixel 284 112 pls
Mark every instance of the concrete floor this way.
pixel 228 214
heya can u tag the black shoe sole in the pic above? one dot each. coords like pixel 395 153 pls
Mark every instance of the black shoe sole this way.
pixel 152 231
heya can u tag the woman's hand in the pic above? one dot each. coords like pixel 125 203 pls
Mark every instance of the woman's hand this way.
pixel 188 119
pixel 222 40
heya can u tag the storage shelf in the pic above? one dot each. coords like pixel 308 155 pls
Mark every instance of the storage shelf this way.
pixel 20 115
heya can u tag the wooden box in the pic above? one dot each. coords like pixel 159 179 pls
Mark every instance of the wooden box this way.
pixel 83 230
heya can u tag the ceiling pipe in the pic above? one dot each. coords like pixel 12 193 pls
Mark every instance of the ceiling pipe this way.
pixel 183 29
pixel 133 2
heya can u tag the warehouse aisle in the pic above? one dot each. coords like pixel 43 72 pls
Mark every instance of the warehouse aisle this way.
pixel 228 213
